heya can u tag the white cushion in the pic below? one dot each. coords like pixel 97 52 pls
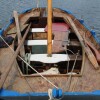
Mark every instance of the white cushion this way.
pixel 45 59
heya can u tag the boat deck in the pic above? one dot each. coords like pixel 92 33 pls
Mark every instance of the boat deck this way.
pixel 89 81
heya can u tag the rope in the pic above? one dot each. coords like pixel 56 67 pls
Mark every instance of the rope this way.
pixel 30 65
pixel 68 60
pixel 66 51
pixel 16 62
pixel 70 77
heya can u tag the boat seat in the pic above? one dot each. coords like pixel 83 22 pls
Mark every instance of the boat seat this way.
pixel 36 42
pixel 45 59
pixel 38 30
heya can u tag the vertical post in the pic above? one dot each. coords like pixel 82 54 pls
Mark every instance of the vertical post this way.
pixel 49 20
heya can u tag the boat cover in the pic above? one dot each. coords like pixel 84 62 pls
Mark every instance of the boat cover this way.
pixel 60 27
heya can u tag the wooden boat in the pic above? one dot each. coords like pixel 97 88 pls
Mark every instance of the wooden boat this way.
pixel 39 60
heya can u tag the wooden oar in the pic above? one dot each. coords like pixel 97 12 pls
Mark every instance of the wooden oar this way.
pixel 9 65
pixel 22 50
pixel 97 54
pixel 85 47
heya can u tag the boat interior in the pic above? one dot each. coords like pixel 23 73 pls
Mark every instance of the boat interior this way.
pixel 65 44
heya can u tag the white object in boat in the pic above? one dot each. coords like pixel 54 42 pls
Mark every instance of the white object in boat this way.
pixel 38 30
pixel 51 71
pixel 45 59
pixel 36 42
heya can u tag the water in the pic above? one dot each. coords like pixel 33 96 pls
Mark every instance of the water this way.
pixel 89 10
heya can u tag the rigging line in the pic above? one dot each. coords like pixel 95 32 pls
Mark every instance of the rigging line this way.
pixel 16 65
pixel 68 60
pixel 24 79
pixel 70 77
pixel 31 66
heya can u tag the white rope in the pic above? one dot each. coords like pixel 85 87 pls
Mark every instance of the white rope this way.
pixel 30 65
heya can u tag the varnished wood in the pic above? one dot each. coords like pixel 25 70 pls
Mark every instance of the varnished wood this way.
pixel 49 50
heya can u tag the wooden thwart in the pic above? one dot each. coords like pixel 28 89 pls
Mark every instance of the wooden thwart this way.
pixel 9 65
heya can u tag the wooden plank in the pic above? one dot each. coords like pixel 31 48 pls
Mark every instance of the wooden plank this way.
pixel 22 50
pixel 13 30
pixel 86 48
pixel 9 65
pixel 40 36
pixel 73 57
pixel 71 43
pixel 36 30
pixel 73 84
pixel 51 75
pixel 97 54
pixel 36 42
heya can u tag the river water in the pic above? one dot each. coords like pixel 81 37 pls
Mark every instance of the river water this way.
pixel 89 10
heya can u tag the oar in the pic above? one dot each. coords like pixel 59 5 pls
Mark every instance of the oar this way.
pixel 97 54
pixel 22 50
pixel 85 47
pixel 9 65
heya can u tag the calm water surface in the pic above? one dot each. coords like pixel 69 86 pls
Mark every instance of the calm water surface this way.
pixel 89 10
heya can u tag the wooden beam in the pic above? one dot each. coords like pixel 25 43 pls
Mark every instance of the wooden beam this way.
pixel 49 20
pixel 22 50
pixel 13 30
pixel 9 65
pixel 85 46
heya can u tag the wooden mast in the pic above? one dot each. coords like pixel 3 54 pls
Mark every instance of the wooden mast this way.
pixel 49 20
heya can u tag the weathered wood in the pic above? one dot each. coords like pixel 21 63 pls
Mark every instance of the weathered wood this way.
pixel 49 50
pixel 60 13
pixel 73 83
pixel 85 47
pixel 97 54
pixel 39 35
pixel 73 43
pixel 13 30
pixel 9 65
pixel 22 50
